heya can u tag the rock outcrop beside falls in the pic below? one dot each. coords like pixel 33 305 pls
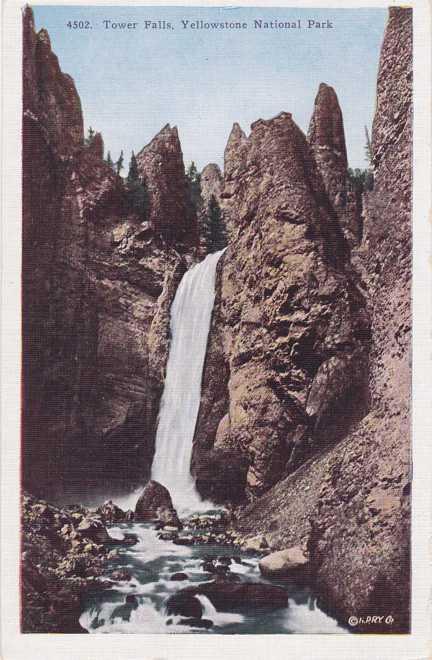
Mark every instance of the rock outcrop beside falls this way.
pixel 353 503
pixel 290 330
pixel 60 564
pixel 155 503
pixel 93 273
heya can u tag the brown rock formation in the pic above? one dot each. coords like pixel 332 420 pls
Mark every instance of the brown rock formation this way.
pixel 52 136
pixel 155 504
pixel 352 502
pixel 160 165
pixel 326 138
pixel 211 183
pixel 235 151
pixel 290 323
pixel 50 98
pixel 372 477
pixel 92 276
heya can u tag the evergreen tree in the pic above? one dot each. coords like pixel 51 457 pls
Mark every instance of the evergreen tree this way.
pixel 109 160
pixel 194 180
pixel 137 193
pixel 360 180
pixel 133 169
pixel 213 228
pixel 119 163
pixel 368 147
pixel 193 174
pixel 90 136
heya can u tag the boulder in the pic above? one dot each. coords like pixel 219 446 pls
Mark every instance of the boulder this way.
pixel 196 623
pixel 226 595
pixel 178 577
pixel 170 528
pixel 110 512
pixel 128 539
pixel 167 536
pixel 155 504
pixel 94 529
pixel 184 540
pixel 124 611
pixel 255 544
pixel 185 604
pixel 121 575
pixel 291 562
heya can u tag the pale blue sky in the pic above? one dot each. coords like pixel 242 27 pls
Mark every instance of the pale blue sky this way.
pixel 131 83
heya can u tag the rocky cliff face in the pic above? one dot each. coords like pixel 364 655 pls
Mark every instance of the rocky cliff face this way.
pixel 291 328
pixel 160 165
pixel 352 502
pixel 51 140
pixel 92 276
pixel 306 385
pixel 372 527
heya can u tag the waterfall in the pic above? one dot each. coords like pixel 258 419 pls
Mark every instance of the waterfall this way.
pixel 190 324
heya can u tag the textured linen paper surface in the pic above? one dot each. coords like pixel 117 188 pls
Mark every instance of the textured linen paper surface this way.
pixel 216 347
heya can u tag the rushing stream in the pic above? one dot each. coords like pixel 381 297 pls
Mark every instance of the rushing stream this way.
pixel 151 564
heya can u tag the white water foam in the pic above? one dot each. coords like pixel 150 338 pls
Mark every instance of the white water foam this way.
pixel 309 619
pixel 149 546
pixel 218 618
pixel 190 323
pixel 145 619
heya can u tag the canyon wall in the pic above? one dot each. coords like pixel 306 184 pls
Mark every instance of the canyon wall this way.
pixel 289 342
pixel 305 407
pixel 93 272
pixel 351 505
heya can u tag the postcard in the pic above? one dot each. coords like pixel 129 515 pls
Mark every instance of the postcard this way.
pixel 216 300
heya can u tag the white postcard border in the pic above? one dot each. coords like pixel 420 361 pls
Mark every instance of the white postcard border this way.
pixel 16 646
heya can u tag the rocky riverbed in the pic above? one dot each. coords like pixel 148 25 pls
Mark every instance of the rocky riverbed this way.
pixel 99 570
pixel 197 581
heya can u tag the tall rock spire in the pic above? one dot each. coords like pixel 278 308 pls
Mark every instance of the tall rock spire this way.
pixel 49 94
pixel 326 127
pixel 160 165
pixel 326 138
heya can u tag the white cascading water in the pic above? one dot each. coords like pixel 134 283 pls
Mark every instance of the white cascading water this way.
pixel 190 320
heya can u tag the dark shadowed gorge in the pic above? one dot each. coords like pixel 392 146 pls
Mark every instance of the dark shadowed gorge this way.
pixel 303 428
